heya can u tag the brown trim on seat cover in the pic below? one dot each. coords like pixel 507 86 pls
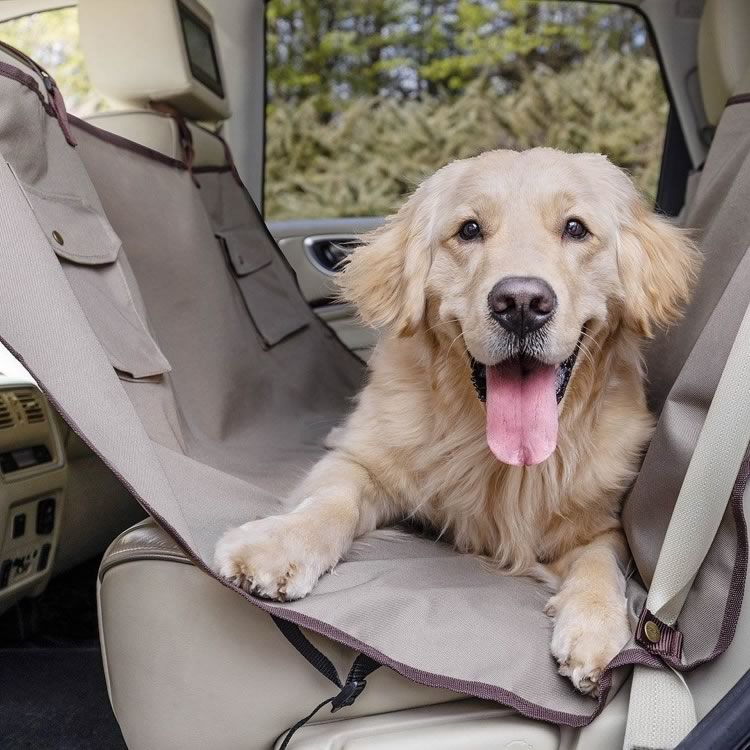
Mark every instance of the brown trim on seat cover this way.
pixel 54 102
pixel 209 169
pixel 738 99
pixel 118 140
pixel 17 75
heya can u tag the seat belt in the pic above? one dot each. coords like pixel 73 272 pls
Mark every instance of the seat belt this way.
pixel 661 711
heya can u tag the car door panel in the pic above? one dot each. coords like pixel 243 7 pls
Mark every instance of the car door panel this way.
pixel 312 249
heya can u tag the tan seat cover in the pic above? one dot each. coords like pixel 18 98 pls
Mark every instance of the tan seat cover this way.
pixel 221 405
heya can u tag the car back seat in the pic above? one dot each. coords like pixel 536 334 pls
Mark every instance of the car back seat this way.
pixel 217 199
pixel 169 240
pixel 613 722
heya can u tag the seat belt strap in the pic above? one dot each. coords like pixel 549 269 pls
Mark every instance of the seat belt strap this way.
pixel 708 483
pixel 661 709
pixel 349 690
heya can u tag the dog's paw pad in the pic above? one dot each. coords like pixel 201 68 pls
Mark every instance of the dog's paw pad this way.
pixel 583 645
pixel 585 681
pixel 269 559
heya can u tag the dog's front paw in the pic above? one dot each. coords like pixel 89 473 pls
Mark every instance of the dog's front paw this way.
pixel 274 558
pixel 585 639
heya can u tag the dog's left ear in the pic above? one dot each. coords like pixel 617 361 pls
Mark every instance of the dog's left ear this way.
pixel 659 266
pixel 385 278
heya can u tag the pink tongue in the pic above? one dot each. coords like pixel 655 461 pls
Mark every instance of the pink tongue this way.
pixel 521 414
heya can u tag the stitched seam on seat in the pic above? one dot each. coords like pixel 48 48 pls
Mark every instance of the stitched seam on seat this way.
pixel 108 563
pixel 155 550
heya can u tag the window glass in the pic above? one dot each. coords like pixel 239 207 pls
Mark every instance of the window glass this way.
pixel 368 97
pixel 51 39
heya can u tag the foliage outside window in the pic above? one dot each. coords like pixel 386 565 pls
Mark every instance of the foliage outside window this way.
pixel 51 39
pixel 368 97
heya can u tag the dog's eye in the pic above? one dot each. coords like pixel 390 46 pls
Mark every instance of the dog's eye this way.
pixel 470 230
pixel 576 229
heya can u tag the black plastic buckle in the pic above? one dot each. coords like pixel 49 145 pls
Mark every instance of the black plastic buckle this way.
pixel 349 693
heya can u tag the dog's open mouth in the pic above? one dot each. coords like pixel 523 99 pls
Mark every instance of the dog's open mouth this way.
pixel 521 395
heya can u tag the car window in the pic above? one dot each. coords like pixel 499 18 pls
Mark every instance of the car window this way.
pixel 51 39
pixel 367 98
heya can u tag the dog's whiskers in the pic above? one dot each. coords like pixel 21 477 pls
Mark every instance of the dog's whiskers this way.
pixel 442 322
pixel 460 335
pixel 586 351
pixel 587 335
pixel 586 354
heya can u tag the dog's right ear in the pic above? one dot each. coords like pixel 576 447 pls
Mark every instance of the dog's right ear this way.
pixel 385 278
pixel 659 265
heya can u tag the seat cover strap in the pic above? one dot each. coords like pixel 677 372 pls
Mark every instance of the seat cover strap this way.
pixel 349 690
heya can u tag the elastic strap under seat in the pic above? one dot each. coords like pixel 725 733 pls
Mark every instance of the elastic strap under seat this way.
pixel 349 690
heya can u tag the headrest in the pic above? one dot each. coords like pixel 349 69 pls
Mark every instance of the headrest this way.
pixel 723 54
pixel 161 133
pixel 143 51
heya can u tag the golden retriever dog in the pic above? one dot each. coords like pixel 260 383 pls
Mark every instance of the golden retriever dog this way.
pixel 505 405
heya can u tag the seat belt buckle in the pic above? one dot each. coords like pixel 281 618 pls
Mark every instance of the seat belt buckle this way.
pixel 349 693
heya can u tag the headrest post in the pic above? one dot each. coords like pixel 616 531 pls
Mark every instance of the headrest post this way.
pixel 186 138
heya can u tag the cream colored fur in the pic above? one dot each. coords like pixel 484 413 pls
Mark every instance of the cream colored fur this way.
pixel 416 444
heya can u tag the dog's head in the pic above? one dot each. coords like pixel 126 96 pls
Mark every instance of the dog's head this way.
pixel 527 254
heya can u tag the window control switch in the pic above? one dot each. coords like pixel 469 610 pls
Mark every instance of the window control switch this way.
pixel 43 557
pixel 45 516
pixel 19 525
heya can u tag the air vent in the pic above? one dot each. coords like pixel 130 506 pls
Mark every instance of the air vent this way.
pixel 6 416
pixel 32 408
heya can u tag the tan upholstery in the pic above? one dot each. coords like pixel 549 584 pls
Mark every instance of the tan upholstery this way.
pixel 243 679
pixel 226 678
pixel 136 53
pixel 723 54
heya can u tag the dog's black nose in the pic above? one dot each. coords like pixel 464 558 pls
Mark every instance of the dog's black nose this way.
pixel 522 304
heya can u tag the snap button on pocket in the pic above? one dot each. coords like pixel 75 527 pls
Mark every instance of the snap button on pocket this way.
pixel 57 237
pixel 651 631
